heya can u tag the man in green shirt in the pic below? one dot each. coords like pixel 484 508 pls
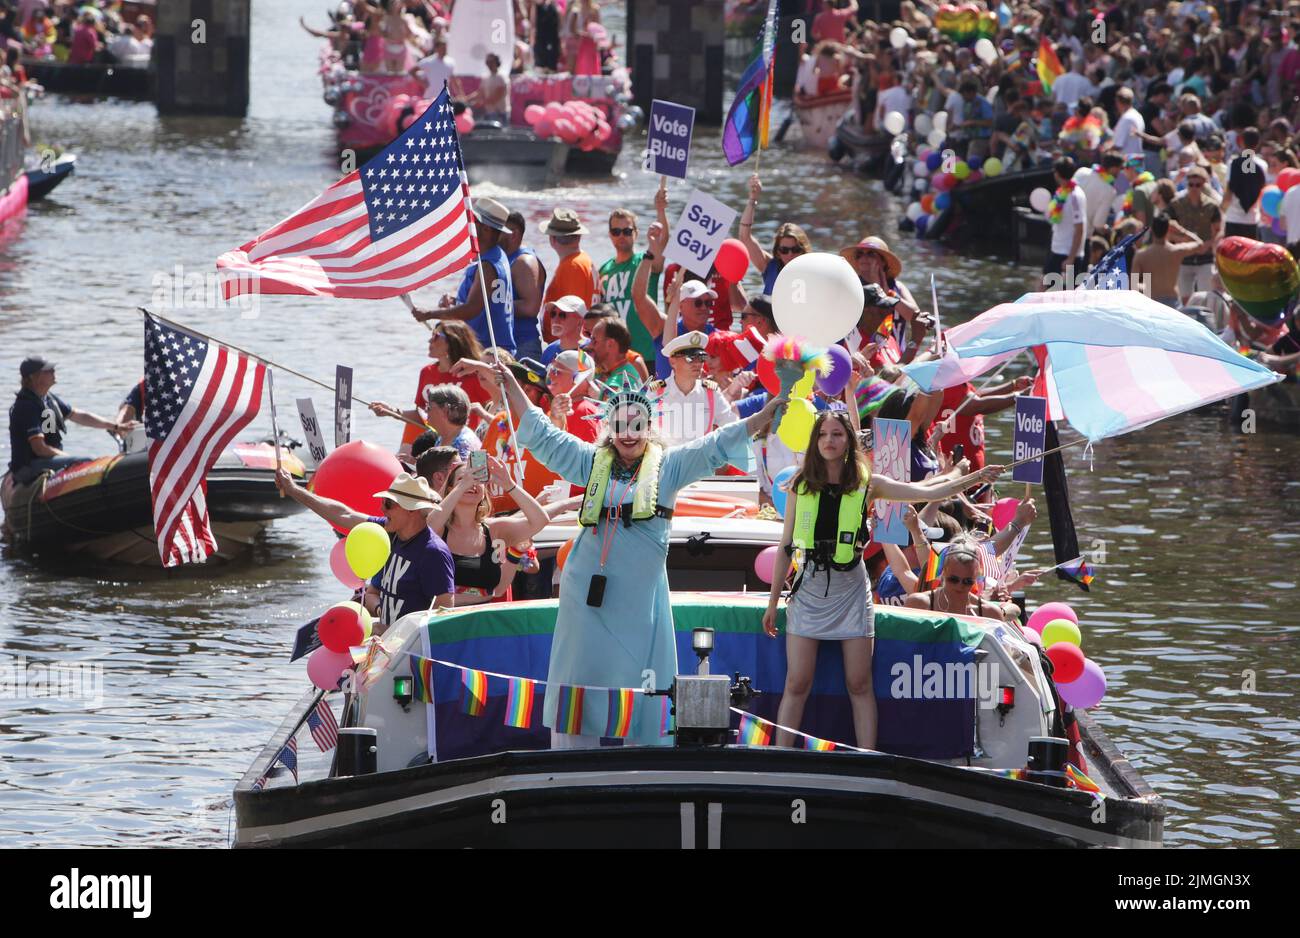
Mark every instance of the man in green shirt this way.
pixel 616 274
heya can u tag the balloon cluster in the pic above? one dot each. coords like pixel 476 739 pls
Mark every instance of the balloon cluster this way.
pixel 938 173
pixel 343 626
pixel 966 23
pixel 577 123
pixel 1080 681
pixel 1270 201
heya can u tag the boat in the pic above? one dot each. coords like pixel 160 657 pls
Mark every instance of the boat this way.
pixel 949 771
pixel 992 207
pixel 103 509
pixel 131 80
pixel 820 116
pixel 866 151
pixel 42 179
pixel 13 181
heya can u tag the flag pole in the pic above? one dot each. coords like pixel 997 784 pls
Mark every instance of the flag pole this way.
pixel 1021 462
pixel 275 427
pixel 410 305
pixel 269 363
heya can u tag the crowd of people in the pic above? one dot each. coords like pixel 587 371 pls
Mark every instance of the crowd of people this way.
pixel 1185 111
pixel 79 32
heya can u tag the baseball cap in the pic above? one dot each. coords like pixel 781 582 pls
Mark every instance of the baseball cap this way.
pixel 34 365
pixel 694 289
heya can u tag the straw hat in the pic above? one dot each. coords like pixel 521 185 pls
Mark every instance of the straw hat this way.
pixel 492 213
pixel 411 492
pixel 893 266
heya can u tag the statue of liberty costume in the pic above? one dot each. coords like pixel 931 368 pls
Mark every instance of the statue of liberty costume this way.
pixel 626 518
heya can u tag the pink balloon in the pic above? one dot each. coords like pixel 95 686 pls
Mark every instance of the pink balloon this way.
pixel 1047 612
pixel 603 132
pixel 340 568
pixel 326 667
pixel 1088 690
pixel 554 110
pixel 765 563
pixel 1003 512
pixel 533 113
pixel 545 127
pixel 942 182
pixel 564 128
pixel 464 123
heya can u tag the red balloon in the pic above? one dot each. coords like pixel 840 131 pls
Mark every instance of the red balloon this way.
pixel 340 627
pixel 767 375
pixel 353 473
pixel 1288 178
pixel 942 182
pixel 732 261
pixel 1067 662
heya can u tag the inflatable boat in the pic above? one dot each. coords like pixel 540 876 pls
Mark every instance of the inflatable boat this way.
pixel 102 508
pixel 976 758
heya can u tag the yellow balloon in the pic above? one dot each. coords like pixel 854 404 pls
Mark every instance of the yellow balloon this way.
pixel 1061 630
pixel 796 425
pixel 367 549
pixel 992 167
pixel 804 386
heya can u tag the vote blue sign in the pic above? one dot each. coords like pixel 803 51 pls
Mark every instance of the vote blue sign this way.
pixel 1027 442
pixel 668 139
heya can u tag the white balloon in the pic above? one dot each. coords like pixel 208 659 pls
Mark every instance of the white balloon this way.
pixel 817 297
pixel 898 37
pixel 941 120
pixel 920 170
pixel 921 124
pixel 936 138
pixel 895 123
pixel 920 185
pixel 914 211
pixel 1039 199
pixel 986 52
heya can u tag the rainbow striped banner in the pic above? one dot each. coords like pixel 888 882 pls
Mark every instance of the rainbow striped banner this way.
pixel 754 731
pixel 421 679
pixel 519 703
pixel 665 717
pixel 568 709
pixel 933 567
pixel 618 723
pixel 817 745
pixel 473 694
pixel 1081 781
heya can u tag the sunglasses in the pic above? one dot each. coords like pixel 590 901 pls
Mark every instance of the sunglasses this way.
pixel 1195 184
pixel 388 504
pixel 692 356
pixel 793 250
pixel 963 580
pixel 559 314
pixel 625 232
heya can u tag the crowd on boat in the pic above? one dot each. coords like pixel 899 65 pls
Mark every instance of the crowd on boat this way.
pixel 77 32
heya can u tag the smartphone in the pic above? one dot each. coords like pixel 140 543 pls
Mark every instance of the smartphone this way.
pixel 958 452
pixel 478 465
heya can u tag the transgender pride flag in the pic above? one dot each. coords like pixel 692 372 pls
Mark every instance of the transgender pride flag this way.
pixel 1114 360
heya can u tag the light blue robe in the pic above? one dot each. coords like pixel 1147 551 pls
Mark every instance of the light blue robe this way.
pixel 611 645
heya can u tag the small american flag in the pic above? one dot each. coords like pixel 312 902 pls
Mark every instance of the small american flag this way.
pixel 200 395
pixel 288 757
pixel 324 728
pixel 399 222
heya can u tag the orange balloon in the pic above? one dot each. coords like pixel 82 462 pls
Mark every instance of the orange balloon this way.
pixel 563 555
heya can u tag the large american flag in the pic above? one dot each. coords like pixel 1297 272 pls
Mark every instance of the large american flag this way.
pixel 199 394
pixel 399 222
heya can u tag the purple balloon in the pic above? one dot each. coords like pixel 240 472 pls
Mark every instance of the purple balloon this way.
pixel 1087 690
pixel 1276 227
pixel 841 370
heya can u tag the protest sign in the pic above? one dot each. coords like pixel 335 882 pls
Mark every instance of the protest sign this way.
pixel 311 429
pixel 703 226
pixel 1028 439
pixel 668 138
pixel 342 404
pixel 891 456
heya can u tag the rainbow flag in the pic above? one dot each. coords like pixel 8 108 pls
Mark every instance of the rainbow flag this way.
pixel 746 127
pixel 817 745
pixel 618 723
pixel 519 703
pixel 473 694
pixel 753 731
pixel 1078 570
pixel 421 679
pixel 1049 66
pixel 1081 781
pixel 665 718
pixel 933 567
pixel 568 710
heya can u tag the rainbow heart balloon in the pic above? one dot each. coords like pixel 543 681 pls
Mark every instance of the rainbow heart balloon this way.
pixel 1262 278
pixel 988 25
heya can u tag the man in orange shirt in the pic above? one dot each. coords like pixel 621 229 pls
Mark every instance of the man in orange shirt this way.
pixel 575 275
pixel 496 441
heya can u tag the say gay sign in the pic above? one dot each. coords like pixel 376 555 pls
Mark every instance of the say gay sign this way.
pixel 668 141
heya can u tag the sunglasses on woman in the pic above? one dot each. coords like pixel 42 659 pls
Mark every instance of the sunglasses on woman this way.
pixel 793 250
pixel 962 580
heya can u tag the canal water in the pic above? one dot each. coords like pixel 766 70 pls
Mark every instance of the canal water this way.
pixel 1193 614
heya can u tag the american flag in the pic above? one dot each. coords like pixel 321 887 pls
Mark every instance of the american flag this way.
pixel 200 394
pixel 324 728
pixel 288 757
pixel 399 222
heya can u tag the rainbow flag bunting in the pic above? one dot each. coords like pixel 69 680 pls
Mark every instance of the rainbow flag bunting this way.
pixel 665 717
pixel 519 703
pixel 618 723
pixel 473 694
pixel 421 679
pixel 1049 66
pixel 817 745
pixel 568 710
pixel 754 732
pixel 1078 570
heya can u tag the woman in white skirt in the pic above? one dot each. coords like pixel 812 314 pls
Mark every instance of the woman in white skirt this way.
pixel 826 521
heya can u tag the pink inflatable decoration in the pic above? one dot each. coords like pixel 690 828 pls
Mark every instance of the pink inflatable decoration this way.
pixel 1003 512
pixel 1047 612
pixel 340 568
pixel 765 563
pixel 326 667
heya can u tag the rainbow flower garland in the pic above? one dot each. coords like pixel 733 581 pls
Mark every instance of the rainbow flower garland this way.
pixel 1126 207
pixel 1057 208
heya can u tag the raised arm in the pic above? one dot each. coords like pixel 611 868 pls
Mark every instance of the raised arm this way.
pixel 336 513
pixel 516 530
pixel 646 308
pixel 757 256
